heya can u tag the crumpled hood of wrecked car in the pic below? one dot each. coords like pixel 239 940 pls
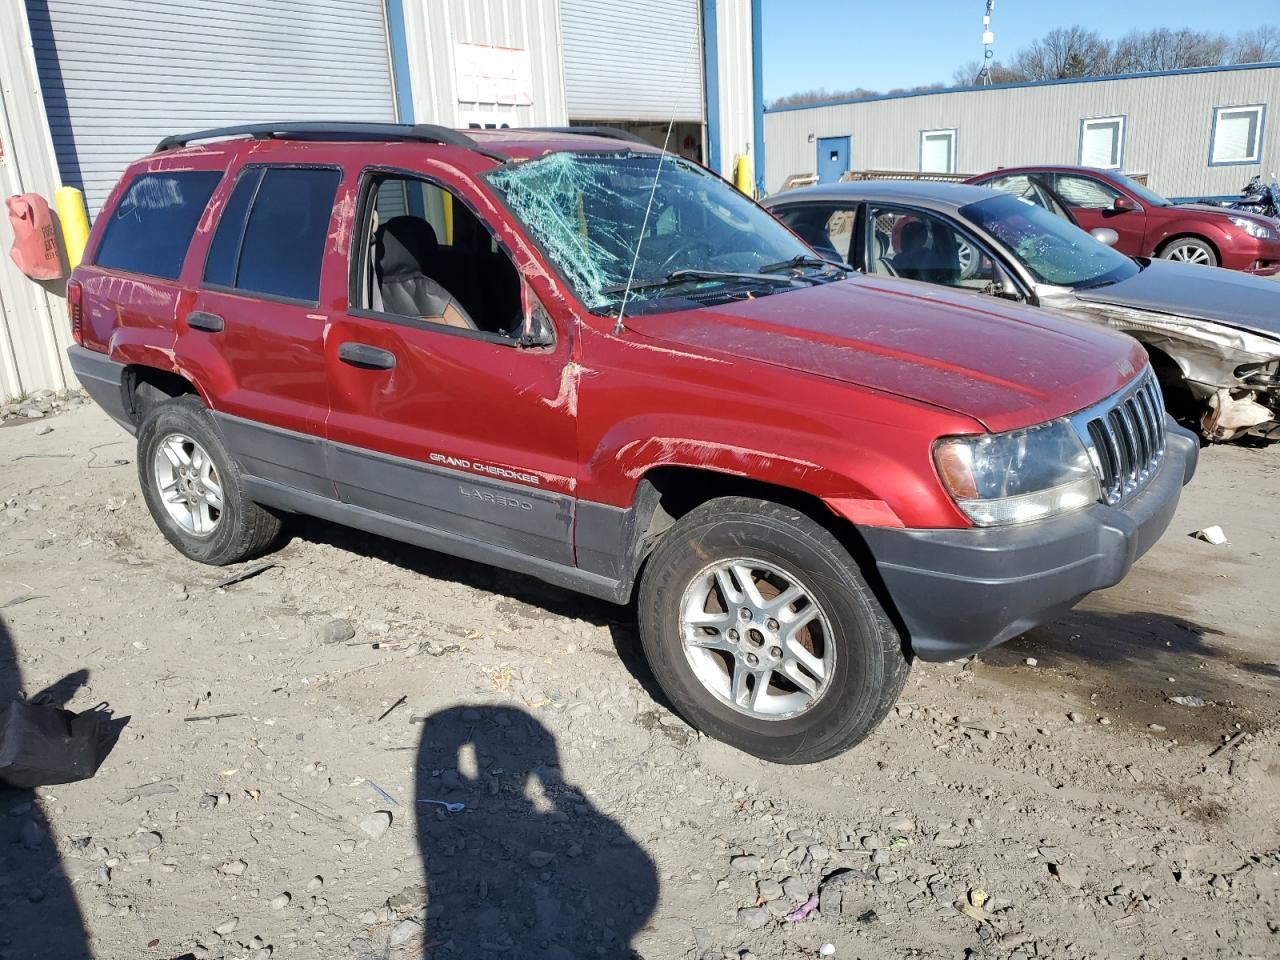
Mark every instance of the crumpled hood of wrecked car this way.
pixel 1204 293
pixel 1005 365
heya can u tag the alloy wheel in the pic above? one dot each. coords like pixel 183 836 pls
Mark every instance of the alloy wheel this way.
pixel 756 638
pixel 1189 253
pixel 188 483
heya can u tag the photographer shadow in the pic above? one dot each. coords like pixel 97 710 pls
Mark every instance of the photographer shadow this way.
pixel 528 867
pixel 40 917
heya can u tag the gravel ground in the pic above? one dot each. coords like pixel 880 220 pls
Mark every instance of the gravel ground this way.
pixel 1047 799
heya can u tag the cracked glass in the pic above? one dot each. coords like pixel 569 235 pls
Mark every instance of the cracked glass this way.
pixel 590 212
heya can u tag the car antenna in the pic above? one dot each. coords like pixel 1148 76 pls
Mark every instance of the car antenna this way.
pixel 631 274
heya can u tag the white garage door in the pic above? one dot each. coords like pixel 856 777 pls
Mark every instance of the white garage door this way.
pixel 632 61
pixel 118 75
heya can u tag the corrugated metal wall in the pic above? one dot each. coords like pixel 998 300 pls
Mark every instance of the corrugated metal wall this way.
pixel 737 109
pixel 433 27
pixel 120 74
pixel 633 61
pixel 34 332
pixel 1168 128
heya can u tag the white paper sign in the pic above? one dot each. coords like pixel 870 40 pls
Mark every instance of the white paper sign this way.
pixel 492 74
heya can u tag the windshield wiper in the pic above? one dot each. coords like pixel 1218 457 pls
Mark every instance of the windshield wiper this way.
pixel 682 276
pixel 805 260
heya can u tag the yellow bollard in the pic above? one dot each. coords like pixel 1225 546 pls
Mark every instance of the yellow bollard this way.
pixel 447 199
pixel 742 175
pixel 74 217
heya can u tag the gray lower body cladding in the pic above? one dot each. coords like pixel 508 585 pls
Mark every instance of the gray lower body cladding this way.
pixel 962 591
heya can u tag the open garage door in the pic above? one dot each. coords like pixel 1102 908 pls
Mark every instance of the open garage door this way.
pixel 637 66
pixel 118 75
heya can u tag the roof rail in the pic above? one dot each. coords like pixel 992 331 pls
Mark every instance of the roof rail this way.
pixel 331 130
pixel 609 133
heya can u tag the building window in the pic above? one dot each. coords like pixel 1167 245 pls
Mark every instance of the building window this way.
pixel 1102 142
pixel 1237 135
pixel 937 151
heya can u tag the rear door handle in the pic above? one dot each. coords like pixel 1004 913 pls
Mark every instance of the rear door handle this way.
pixel 209 322
pixel 366 356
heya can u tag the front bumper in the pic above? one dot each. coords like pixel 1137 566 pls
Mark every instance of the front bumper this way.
pixel 961 591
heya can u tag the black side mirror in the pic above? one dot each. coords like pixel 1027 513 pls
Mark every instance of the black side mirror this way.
pixel 537 331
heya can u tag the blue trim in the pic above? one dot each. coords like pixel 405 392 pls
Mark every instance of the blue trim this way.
pixel 1228 198
pixel 1262 127
pixel 757 91
pixel 1271 65
pixel 1124 135
pixel 711 81
pixel 955 160
pixel 400 61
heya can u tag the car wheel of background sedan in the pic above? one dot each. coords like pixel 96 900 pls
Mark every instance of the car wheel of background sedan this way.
pixel 192 487
pixel 1190 250
pixel 761 630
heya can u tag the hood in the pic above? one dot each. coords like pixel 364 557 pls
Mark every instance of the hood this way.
pixel 1236 299
pixel 1211 208
pixel 1004 365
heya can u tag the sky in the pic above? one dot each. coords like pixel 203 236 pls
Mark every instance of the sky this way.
pixel 843 44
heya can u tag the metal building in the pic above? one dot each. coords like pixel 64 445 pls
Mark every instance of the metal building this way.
pixel 86 86
pixel 1193 133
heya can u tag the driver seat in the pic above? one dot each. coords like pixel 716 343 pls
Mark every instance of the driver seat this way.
pixel 405 253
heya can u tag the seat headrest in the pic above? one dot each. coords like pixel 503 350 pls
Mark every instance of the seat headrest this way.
pixel 406 246
pixel 915 235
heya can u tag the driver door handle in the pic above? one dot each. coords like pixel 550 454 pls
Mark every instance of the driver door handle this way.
pixel 366 356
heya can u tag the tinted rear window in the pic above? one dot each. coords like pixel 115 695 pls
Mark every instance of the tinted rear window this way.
pixel 224 252
pixel 152 225
pixel 284 238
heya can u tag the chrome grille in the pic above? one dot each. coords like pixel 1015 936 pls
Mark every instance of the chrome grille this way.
pixel 1125 436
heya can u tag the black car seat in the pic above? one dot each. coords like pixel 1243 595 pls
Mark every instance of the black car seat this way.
pixel 922 255
pixel 407 253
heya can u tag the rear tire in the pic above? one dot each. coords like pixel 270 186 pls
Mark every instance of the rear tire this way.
pixel 700 626
pixel 193 489
pixel 1190 250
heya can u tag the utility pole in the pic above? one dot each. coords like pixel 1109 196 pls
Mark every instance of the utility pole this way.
pixel 988 38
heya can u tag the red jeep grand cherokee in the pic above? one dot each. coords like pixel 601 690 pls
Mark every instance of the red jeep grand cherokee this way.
pixel 577 357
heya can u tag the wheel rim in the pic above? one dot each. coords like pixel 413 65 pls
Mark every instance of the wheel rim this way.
pixel 188 484
pixel 756 639
pixel 1190 253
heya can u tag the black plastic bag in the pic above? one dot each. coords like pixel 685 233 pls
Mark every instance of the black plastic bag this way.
pixel 41 745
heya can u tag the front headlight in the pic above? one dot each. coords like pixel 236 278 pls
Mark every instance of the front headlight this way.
pixel 1021 475
pixel 1254 228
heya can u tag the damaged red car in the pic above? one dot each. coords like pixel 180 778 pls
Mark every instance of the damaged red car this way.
pixel 571 355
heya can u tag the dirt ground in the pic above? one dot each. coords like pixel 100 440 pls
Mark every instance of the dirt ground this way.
pixel 262 797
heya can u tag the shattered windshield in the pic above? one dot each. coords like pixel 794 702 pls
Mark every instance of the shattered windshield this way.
pixel 589 213
pixel 1054 250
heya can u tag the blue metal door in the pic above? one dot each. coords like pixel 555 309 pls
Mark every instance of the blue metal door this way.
pixel 833 158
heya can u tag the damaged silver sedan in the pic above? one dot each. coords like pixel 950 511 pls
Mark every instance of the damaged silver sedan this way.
pixel 1213 335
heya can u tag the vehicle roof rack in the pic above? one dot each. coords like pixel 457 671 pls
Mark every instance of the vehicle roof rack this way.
pixel 609 133
pixel 327 130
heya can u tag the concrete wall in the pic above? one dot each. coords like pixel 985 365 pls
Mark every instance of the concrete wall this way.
pixel 34 331
pixel 432 27
pixel 1169 121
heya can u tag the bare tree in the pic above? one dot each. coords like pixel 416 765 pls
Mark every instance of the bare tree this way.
pixel 1064 52
pixel 967 75
pixel 1259 45
pixel 822 95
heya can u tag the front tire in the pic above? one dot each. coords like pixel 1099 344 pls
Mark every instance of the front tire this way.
pixel 1190 250
pixel 763 633
pixel 193 489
